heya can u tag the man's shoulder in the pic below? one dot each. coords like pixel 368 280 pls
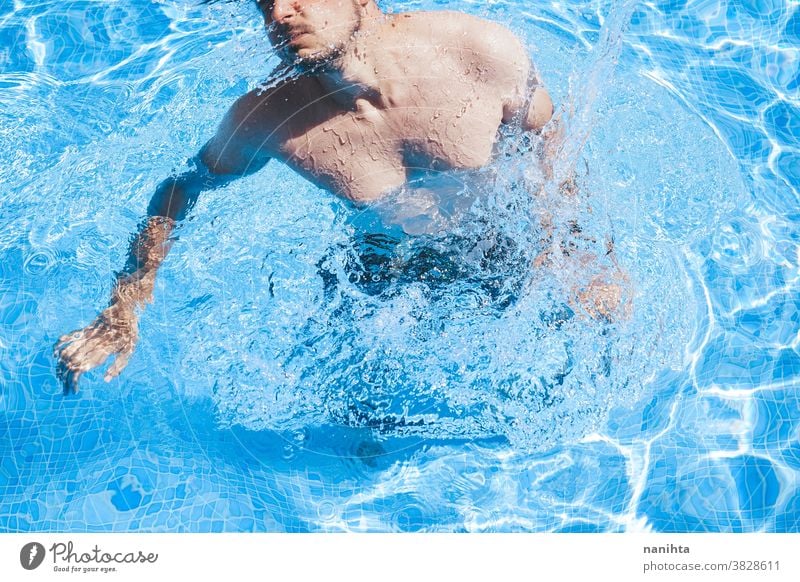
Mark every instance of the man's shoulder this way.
pixel 452 25
pixel 274 98
pixel 257 116
pixel 490 41
pixel 248 134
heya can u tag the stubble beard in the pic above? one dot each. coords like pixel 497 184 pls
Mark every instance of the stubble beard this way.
pixel 328 59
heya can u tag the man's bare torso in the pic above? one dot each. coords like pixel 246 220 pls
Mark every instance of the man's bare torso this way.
pixel 440 85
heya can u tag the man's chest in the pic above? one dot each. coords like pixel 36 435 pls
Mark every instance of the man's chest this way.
pixel 420 125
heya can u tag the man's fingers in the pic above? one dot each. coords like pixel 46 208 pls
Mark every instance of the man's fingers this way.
pixel 69 351
pixel 72 382
pixel 68 377
pixel 95 354
pixel 75 359
pixel 90 347
pixel 66 339
pixel 61 374
pixel 76 343
pixel 118 365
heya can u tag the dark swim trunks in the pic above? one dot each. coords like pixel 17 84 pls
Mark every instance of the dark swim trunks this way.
pixel 380 265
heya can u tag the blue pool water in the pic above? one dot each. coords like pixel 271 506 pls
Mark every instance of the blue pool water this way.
pixel 279 384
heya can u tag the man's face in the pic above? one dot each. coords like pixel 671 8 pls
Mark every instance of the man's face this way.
pixel 310 33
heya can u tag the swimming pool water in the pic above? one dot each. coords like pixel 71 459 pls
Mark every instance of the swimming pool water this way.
pixel 295 376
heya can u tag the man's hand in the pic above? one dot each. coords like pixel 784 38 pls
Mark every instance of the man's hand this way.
pixel 606 298
pixel 114 331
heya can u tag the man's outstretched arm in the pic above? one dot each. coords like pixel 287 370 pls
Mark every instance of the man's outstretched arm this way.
pixel 115 330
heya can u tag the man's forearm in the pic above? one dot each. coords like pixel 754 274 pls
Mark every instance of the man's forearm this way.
pixel 173 199
pixel 134 285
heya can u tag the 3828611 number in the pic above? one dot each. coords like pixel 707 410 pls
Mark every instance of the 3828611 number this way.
pixel 755 565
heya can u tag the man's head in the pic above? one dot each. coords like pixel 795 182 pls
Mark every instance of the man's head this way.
pixel 313 33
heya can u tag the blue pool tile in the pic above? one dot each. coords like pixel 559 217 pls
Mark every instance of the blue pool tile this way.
pixel 757 485
pixel 791 34
pixel 787 518
pixel 783 122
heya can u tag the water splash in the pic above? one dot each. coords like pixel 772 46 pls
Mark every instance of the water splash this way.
pixel 453 332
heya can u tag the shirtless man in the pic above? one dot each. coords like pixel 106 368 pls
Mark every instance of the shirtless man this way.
pixel 376 97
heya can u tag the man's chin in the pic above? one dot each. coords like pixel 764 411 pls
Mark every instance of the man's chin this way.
pixel 309 60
